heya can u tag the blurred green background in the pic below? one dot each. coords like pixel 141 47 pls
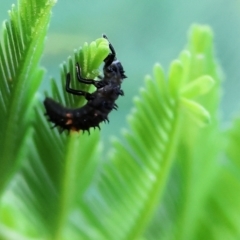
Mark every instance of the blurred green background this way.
pixel 143 33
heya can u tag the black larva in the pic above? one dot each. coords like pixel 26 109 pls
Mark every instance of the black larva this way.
pixel 99 103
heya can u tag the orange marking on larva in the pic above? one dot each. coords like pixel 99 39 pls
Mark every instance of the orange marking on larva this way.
pixel 69 122
pixel 69 115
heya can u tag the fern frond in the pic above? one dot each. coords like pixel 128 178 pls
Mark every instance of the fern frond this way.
pixel 59 168
pixel 233 137
pixel 89 57
pixel 20 51
pixel 133 182
pixel 221 219
pixel 196 169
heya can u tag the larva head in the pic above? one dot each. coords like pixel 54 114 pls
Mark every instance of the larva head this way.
pixel 114 72
pixel 113 69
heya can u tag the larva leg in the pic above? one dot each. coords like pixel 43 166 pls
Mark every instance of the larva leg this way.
pixel 111 57
pixel 74 91
pixel 97 84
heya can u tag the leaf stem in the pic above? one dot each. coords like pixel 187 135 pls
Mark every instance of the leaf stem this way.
pixel 68 178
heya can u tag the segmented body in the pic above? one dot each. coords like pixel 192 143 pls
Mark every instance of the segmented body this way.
pixel 99 103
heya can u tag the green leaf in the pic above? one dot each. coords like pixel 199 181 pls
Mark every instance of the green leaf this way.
pixel 59 168
pixel 89 57
pixel 175 77
pixel 199 86
pixel 200 114
pixel 134 179
pixel 233 137
pixel 20 53
pixel 220 217
pixel 196 169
